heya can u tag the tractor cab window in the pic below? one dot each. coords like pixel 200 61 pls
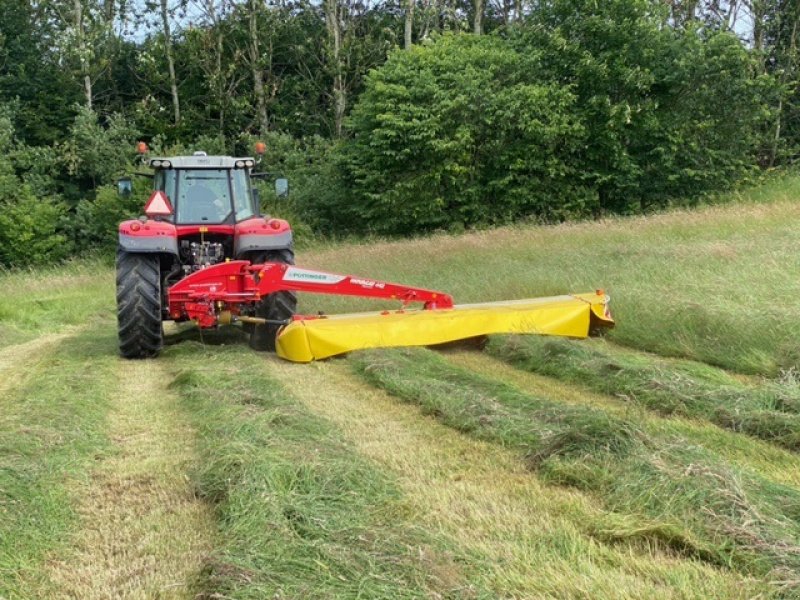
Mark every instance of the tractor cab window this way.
pixel 203 196
pixel 242 198
pixel 166 180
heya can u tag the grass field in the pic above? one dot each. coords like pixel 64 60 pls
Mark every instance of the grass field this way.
pixel 662 461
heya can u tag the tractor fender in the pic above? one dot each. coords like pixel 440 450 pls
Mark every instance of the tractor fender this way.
pixel 261 233
pixel 148 236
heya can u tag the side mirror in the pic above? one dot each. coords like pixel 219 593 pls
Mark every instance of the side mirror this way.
pixel 124 187
pixel 282 187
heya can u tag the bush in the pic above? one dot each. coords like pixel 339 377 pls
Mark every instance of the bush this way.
pixel 459 132
pixel 314 182
pixel 29 225
pixel 96 221
pixel 30 229
pixel 588 108
pixel 95 154
pixel 669 113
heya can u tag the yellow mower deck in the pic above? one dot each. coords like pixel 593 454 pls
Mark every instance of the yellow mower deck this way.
pixel 567 316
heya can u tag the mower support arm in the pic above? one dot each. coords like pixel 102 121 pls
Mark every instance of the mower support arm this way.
pixel 201 295
pixel 274 277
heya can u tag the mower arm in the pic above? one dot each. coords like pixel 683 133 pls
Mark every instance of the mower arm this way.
pixel 276 277
pixel 233 283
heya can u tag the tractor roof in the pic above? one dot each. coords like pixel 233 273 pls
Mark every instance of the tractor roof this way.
pixel 199 162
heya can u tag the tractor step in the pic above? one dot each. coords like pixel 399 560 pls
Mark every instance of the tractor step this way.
pixel 305 340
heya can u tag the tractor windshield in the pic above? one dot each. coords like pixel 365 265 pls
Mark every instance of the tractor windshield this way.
pixel 208 196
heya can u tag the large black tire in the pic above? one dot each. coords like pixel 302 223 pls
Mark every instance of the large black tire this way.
pixel 138 305
pixel 278 306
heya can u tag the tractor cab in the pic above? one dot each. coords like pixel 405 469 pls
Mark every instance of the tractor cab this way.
pixel 206 190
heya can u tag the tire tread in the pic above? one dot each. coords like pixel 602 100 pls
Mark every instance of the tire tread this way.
pixel 138 305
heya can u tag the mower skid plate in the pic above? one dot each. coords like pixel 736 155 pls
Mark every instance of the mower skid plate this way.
pixel 567 316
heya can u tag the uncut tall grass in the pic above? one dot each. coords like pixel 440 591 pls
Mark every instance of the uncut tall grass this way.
pixel 717 284
pixel 45 299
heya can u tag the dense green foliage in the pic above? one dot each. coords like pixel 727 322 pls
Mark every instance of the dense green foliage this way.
pixel 667 112
pixel 460 132
pixel 593 108
pixel 559 110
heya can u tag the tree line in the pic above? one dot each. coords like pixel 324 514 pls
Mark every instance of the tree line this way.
pixel 392 116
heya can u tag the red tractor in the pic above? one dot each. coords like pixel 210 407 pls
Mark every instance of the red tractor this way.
pixel 203 211
pixel 203 253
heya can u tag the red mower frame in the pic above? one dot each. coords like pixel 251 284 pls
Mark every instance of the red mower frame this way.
pixel 217 294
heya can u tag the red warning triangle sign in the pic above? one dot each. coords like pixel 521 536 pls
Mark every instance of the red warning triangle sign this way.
pixel 158 205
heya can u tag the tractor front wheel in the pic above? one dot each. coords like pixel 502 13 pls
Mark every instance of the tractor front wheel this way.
pixel 138 305
pixel 279 306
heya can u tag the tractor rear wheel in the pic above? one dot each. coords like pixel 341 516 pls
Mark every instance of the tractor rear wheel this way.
pixel 279 306
pixel 138 305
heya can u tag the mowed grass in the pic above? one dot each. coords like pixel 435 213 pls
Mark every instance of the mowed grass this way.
pixel 770 411
pixel 718 284
pixel 54 399
pixel 300 513
pixel 659 489
pixel 767 459
pixel 52 429
pixel 523 537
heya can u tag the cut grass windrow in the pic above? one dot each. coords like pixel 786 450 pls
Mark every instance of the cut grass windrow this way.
pixel 142 533
pixel 747 453
pixel 684 498
pixel 669 387
pixel 52 427
pixel 523 538
pixel 300 514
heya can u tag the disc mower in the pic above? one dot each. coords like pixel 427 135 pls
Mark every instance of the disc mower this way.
pixel 202 252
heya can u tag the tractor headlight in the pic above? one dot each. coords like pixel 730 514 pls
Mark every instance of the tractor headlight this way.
pixel 239 164
pixel 155 163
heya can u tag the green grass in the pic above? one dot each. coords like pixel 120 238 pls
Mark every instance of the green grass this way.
pixel 768 411
pixel 52 428
pixel 35 301
pixel 679 495
pixel 768 460
pixel 716 284
pixel 300 513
